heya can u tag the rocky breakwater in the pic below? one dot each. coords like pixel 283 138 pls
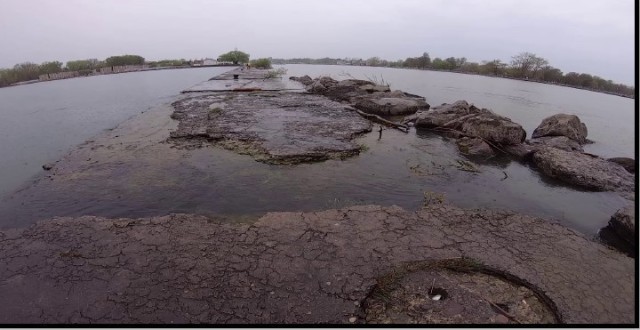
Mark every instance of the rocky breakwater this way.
pixel 557 152
pixel 555 149
pixel 366 96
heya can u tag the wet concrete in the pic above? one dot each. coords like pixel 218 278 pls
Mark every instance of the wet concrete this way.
pixel 242 79
pixel 272 127
pixel 305 268
pixel 131 171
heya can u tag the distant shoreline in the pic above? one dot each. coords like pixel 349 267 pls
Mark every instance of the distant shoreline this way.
pixel 29 82
pixel 482 75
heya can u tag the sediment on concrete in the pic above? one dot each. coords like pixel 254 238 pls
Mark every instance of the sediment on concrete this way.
pixel 316 267
pixel 262 118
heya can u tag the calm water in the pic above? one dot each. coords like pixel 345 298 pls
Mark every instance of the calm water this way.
pixel 40 122
pixel 395 170
pixel 609 119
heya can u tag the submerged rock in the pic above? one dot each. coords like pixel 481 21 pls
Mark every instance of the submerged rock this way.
pixel 629 164
pixel 562 125
pixel 472 121
pixel 583 170
pixel 474 147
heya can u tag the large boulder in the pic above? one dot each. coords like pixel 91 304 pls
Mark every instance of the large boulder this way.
pixel 472 121
pixel 474 147
pixel 629 164
pixel 562 125
pixel 380 104
pixel 583 170
pixel 623 223
pixel 560 142
pixel 345 90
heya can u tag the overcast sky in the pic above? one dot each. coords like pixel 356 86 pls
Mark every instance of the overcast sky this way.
pixel 592 36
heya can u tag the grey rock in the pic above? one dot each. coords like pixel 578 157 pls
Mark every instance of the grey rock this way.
pixel 390 106
pixel 368 97
pixel 474 147
pixel 317 87
pixel 583 170
pixel 623 223
pixel 47 166
pixel 328 81
pixel 305 80
pixel 562 125
pixel 629 164
pixel 473 121
pixel 560 142
pixel 372 88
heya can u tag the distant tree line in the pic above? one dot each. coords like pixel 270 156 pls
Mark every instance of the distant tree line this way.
pixel 31 71
pixel 527 66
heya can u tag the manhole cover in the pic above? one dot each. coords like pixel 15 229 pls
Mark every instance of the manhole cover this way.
pixel 435 295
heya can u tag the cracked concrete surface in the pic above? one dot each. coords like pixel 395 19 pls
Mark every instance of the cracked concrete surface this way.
pixel 288 267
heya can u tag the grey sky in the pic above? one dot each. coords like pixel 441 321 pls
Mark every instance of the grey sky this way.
pixel 595 37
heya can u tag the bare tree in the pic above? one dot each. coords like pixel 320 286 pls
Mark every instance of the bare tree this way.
pixel 526 64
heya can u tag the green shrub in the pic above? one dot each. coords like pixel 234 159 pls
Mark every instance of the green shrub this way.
pixel 261 63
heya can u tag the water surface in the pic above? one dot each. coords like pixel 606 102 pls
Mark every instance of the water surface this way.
pixel 39 122
pixel 44 120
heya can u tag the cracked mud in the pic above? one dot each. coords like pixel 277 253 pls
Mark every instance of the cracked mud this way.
pixel 299 267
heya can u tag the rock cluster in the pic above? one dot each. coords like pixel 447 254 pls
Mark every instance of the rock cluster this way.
pixel 365 96
pixel 482 126
pixel 555 149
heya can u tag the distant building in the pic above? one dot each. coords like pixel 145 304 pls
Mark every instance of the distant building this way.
pixel 209 61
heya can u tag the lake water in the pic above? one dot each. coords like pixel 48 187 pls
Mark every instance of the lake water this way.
pixel 42 121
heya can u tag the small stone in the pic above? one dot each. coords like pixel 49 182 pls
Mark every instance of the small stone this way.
pixel 502 319
pixel 353 319
pixel 47 166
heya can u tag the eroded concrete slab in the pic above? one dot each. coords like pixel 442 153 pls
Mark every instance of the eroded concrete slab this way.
pixel 273 127
pixel 242 80
pixel 291 267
